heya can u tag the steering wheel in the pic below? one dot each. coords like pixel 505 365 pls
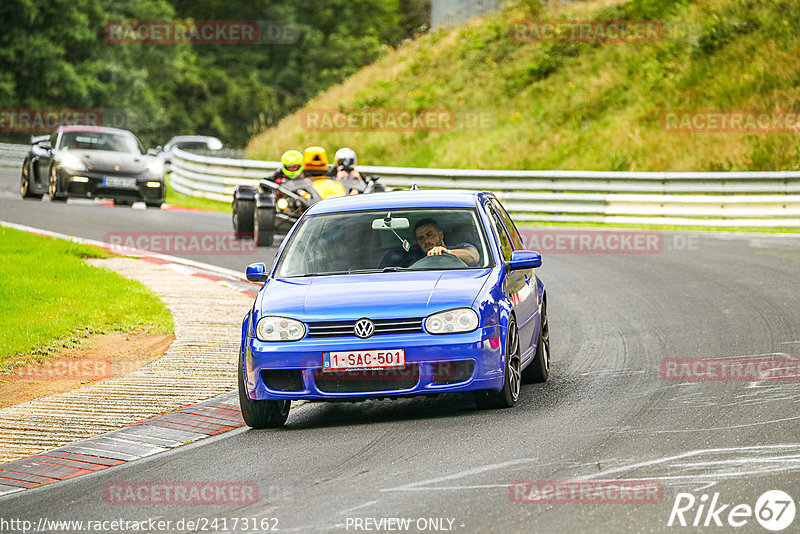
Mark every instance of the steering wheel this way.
pixel 440 261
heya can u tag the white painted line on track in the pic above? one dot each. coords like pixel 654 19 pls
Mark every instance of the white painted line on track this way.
pixel 414 486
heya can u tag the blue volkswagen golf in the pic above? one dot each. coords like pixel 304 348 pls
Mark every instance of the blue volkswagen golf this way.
pixel 391 295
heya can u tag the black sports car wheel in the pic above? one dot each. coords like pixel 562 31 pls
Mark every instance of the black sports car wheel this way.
pixel 153 204
pixel 539 368
pixel 261 413
pixel 118 202
pixel 52 187
pixel 506 397
pixel 264 227
pixel 25 183
pixel 243 213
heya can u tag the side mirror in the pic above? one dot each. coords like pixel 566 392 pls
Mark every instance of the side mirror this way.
pixel 257 272
pixel 524 259
pixel 152 152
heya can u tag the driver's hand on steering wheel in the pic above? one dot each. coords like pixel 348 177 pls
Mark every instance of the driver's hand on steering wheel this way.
pixel 435 251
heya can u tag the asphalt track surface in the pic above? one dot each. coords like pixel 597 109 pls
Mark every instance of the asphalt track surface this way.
pixel 605 414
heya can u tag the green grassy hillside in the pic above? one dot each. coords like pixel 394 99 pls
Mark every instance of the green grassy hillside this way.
pixel 562 105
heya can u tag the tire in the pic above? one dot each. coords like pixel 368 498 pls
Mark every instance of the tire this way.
pixel 261 413
pixel 243 213
pixel 25 183
pixel 52 187
pixel 118 202
pixel 264 221
pixel 152 204
pixel 508 396
pixel 539 369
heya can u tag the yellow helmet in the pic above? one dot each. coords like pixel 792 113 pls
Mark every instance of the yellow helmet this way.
pixel 315 159
pixel 292 163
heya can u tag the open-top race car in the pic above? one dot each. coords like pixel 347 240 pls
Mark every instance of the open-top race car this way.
pixel 91 161
pixel 277 203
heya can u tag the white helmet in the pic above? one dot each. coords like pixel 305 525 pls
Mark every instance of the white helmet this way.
pixel 346 157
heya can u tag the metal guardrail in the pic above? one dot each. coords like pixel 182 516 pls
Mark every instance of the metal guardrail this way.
pixel 12 155
pixel 733 199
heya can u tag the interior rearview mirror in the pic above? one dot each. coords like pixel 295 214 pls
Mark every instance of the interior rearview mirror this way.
pixel 396 223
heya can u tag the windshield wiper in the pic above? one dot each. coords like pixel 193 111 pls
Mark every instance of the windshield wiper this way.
pixel 322 274
pixel 383 270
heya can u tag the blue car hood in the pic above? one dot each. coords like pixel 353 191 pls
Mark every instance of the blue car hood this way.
pixel 377 296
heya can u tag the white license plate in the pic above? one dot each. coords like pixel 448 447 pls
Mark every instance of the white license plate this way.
pixel 363 359
pixel 116 181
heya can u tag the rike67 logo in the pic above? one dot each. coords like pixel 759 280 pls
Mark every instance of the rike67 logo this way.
pixel 774 510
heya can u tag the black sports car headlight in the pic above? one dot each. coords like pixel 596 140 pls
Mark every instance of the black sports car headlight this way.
pixel 454 321
pixel 71 162
pixel 271 328
pixel 155 167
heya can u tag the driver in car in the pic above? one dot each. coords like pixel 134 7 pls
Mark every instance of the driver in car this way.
pixel 430 239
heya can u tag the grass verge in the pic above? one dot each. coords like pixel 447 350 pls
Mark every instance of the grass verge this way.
pixel 582 105
pixel 50 298
pixel 185 201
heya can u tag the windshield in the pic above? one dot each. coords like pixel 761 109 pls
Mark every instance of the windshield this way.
pixel 100 141
pixel 383 241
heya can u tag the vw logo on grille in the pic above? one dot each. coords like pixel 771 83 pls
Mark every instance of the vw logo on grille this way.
pixel 364 328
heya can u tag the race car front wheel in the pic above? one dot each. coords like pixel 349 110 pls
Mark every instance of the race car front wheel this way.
pixel 243 213
pixel 264 220
pixel 261 413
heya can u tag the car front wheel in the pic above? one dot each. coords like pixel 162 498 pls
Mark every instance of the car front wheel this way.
pixel 506 397
pixel 52 187
pixel 261 413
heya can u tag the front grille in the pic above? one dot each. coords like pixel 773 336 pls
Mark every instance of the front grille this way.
pixel 452 372
pixel 382 326
pixel 283 380
pixel 367 380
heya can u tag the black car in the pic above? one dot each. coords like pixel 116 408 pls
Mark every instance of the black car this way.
pixel 89 162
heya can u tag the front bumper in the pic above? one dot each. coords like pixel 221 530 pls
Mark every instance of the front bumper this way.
pixel 93 184
pixel 428 359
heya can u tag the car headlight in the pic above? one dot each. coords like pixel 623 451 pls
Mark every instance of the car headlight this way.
pixel 452 321
pixel 156 167
pixel 72 162
pixel 272 328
